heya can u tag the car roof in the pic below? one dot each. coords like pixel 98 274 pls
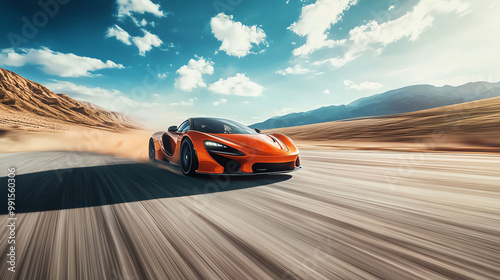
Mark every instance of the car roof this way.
pixel 197 118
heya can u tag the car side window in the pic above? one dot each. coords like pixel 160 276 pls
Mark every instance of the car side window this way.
pixel 185 126
pixel 188 127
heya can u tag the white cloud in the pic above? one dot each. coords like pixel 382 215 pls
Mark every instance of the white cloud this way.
pixel 162 76
pixel 326 91
pixel 314 22
pixel 363 86
pixel 338 61
pixel 55 63
pixel 374 35
pixel 391 7
pixel 119 33
pixel 237 85
pixel 151 114
pixel 222 101
pixel 464 51
pixel 128 7
pixel 190 75
pixel 189 102
pixel 147 42
pixel 410 25
pixel 297 69
pixel 144 43
pixel 236 38
pixel 144 22
pixel 283 111
pixel 78 91
pixel 112 100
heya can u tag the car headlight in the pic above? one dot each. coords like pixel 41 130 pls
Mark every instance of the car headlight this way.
pixel 219 148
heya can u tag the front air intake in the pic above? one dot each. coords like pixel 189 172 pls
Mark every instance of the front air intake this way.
pixel 260 167
pixel 231 166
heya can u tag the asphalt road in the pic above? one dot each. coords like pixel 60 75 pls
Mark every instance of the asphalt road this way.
pixel 346 215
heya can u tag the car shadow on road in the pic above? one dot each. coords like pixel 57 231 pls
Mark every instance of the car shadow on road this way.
pixel 118 183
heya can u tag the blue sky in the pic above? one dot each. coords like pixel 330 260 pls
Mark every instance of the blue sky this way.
pixel 164 61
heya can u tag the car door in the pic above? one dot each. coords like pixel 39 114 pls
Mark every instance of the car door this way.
pixel 170 138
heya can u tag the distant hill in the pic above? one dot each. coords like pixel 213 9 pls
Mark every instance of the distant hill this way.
pixel 470 126
pixel 403 100
pixel 23 97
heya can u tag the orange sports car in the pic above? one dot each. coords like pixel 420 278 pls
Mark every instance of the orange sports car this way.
pixel 220 146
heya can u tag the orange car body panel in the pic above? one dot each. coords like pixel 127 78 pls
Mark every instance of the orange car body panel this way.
pixel 257 148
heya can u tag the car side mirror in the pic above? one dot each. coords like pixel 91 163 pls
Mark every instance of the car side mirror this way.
pixel 257 130
pixel 172 128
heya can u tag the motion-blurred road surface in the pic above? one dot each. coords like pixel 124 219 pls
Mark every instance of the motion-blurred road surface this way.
pixel 347 214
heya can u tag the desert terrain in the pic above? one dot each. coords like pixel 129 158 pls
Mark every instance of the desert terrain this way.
pixel 27 132
pixel 32 118
pixel 466 127
pixel 377 205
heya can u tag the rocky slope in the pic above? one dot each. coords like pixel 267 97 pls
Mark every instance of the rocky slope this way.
pixel 22 97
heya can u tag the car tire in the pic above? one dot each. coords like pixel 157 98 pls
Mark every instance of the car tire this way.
pixel 151 150
pixel 188 158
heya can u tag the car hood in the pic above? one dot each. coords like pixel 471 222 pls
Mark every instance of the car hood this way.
pixel 261 142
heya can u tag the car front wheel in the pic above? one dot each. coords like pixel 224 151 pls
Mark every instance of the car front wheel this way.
pixel 151 150
pixel 188 158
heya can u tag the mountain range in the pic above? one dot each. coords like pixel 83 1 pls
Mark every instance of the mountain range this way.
pixel 26 99
pixel 402 100
pixel 22 100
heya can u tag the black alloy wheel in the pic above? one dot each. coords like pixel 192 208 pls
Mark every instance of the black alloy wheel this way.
pixel 188 158
pixel 151 150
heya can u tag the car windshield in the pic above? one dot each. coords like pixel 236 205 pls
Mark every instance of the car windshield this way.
pixel 220 126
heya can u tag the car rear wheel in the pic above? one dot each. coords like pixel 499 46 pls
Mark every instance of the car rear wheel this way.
pixel 151 150
pixel 189 161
